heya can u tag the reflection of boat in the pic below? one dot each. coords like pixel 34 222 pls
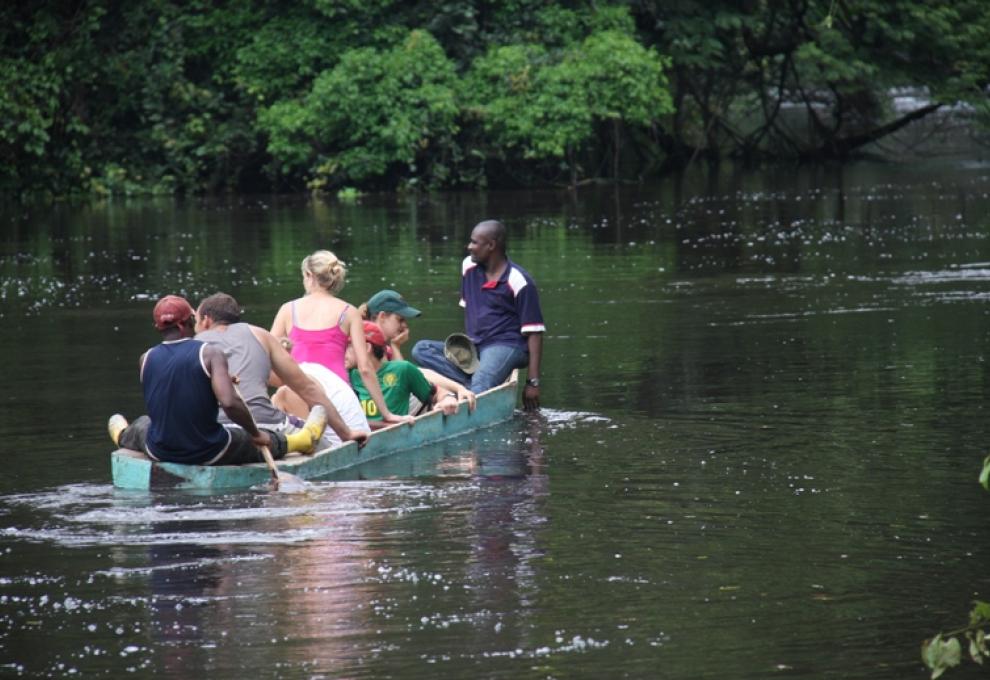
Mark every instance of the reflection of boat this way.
pixel 134 470
pixel 490 451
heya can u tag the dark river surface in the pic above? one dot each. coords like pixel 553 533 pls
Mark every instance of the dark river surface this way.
pixel 758 454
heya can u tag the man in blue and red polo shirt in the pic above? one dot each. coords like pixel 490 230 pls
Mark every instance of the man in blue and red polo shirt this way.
pixel 501 315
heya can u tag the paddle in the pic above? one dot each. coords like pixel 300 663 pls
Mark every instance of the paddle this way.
pixel 270 460
pixel 282 481
pixel 277 475
pixel 280 478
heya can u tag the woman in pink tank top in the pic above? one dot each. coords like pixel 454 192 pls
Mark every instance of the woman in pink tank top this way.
pixel 324 346
pixel 320 325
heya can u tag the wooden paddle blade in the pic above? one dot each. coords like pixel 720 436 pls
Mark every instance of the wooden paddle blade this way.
pixel 266 452
pixel 289 483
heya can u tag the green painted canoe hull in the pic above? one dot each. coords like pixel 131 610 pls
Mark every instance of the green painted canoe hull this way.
pixel 134 470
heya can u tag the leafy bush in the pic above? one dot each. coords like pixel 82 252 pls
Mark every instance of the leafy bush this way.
pixel 373 111
pixel 546 105
pixel 944 651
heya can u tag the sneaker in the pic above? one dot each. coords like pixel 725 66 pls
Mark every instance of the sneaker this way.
pixel 115 426
pixel 315 424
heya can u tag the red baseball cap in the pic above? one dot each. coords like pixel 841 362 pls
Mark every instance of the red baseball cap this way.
pixel 172 310
pixel 373 334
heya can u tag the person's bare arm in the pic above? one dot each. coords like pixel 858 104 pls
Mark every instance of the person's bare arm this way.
pixel 447 385
pixel 397 342
pixel 531 394
pixel 282 322
pixel 289 373
pixel 368 376
pixel 228 398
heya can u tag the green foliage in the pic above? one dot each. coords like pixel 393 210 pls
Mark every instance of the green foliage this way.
pixel 348 194
pixel 621 79
pixel 941 655
pixel 943 652
pixel 545 105
pixel 372 111
pixel 524 103
pixel 29 98
pixel 268 66
pixel 162 96
pixel 738 65
pixel 44 133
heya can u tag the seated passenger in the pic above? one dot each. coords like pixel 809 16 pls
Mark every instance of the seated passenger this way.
pixel 318 326
pixel 391 312
pixel 257 359
pixel 340 394
pixel 186 382
pixel 398 381
pixel 502 317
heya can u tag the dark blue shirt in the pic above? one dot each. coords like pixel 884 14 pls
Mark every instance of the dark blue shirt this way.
pixel 181 405
pixel 501 312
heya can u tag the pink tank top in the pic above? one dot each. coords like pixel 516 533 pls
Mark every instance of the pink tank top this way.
pixel 325 346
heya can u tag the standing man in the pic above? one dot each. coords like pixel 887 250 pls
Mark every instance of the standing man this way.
pixel 255 357
pixel 502 317
pixel 186 382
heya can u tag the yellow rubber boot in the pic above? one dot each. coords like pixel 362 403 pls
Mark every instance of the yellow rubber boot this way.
pixel 115 426
pixel 301 441
pixel 305 439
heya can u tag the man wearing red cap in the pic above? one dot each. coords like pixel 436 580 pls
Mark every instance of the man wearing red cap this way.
pixel 185 383
pixel 398 379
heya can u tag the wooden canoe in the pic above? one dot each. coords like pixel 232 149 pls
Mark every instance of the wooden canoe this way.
pixel 134 470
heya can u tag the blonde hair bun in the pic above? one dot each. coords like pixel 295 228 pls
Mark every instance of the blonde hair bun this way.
pixel 328 271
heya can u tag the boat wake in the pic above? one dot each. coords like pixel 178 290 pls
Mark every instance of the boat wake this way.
pixel 99 515
pixel 563 420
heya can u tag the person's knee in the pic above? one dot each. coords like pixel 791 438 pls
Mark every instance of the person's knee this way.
pixel 280 399
pixel 419 350
pixel 480 384
pixel 134 435
pixel 279 445
pixel 484 380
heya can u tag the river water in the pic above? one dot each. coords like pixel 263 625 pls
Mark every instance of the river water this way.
pixel 762 428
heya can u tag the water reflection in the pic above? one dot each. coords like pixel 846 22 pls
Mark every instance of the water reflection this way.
pixel 321 582
pixel 178 597
pixel 791 373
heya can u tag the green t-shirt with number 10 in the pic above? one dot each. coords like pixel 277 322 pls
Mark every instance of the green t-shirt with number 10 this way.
pixel 398 379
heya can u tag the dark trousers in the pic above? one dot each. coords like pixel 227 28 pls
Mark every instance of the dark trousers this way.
pixel 241 449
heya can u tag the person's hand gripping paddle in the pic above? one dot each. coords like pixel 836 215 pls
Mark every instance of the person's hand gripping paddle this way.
pixel 281 481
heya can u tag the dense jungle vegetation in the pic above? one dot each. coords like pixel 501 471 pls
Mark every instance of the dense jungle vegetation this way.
pixel 102 97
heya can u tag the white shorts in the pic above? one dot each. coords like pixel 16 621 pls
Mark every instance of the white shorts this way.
pixel 341 395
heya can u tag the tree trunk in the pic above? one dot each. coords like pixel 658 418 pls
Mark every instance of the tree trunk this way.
pixel 572 165
pixel 616 141
pixel 840 147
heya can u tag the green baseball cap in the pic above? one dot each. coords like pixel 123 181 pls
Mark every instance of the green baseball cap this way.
pixel 390 301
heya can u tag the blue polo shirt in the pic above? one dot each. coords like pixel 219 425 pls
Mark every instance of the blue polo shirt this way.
pixel 501 313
